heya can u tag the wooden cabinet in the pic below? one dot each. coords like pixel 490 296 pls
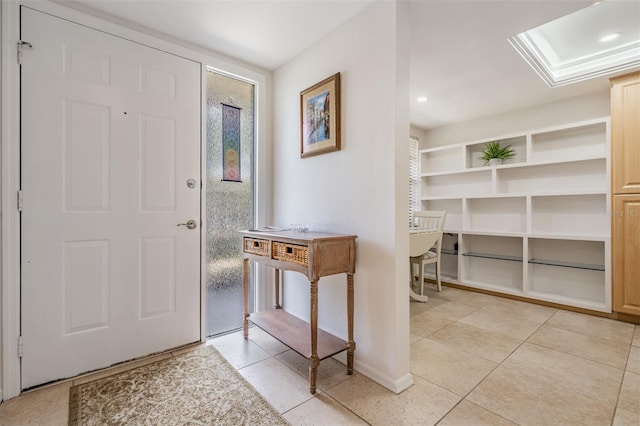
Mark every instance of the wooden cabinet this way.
pixel 625 134
pixel 314 255
pixel 625 189
pixel 626 254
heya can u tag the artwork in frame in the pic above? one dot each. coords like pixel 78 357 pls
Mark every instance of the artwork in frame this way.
pixel 231 143
pixel 320 117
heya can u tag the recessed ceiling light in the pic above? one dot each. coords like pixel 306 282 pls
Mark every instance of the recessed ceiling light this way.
pixel 423 99
pixel 609 37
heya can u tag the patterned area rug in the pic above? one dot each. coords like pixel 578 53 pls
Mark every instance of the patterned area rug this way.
pixel 195 388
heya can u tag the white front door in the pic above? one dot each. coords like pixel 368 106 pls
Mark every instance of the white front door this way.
pixel 110 138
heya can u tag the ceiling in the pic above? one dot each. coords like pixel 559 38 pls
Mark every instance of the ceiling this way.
pixel 460 55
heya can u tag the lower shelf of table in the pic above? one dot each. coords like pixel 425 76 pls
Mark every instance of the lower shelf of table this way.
pixel 296 333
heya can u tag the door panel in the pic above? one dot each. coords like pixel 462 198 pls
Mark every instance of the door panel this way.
pixel 110 135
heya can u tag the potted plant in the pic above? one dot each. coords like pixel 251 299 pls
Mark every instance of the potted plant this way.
pixel 494 153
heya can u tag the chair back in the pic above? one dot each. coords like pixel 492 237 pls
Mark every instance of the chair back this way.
pixel 430 219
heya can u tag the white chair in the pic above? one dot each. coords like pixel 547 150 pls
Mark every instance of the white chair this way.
pixel 420 241
pixel 432 220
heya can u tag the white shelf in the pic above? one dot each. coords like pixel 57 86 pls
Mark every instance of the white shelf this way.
pixel 520 194
pixel 536 226
pixel 494 256
pixel 575 265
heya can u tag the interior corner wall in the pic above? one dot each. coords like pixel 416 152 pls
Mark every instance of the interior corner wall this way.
pixel 1 44
pixel 351 191
pixel 585 107
pixel 417 132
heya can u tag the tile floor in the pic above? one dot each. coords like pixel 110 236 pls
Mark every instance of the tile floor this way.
pixel 475 359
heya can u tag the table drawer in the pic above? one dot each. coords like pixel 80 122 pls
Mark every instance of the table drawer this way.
pixel 256 246
pixel 290 253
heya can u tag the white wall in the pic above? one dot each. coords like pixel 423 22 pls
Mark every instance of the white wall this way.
pixel 579 108
pixel 355 190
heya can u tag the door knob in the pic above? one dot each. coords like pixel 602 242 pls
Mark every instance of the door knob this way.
pixel 191 224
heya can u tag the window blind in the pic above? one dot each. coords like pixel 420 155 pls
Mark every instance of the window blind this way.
pixel 414 178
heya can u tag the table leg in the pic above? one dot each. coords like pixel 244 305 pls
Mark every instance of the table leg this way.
pixel 277 289
pixel 245 297
pixel 314 360
pixel 352 344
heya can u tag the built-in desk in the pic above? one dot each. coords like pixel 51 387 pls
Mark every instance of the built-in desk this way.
pixel 315 255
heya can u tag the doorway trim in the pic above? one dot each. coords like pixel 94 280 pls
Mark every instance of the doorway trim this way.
pixel 10 174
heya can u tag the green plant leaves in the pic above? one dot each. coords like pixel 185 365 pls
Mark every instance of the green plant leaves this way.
pixel 496 150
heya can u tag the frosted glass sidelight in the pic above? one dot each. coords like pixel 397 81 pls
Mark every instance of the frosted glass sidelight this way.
pixel 230 204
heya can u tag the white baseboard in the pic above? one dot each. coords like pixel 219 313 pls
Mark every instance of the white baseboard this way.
pixel 395 386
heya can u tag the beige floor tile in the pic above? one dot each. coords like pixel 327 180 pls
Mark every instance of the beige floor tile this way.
pixel 633 363
pixel 516 308
pixel 416 308
pixel 47 406
pixel 451 311
pixel 330 372
pixel 626 418
pixel 322 410
pixel 604 351
pixel 636 336
pixel 580 375
pixel 277 383
pixel 486 344
pixel 238 351
pixel 593 326
pixel 468 413
pixel 425 324
pixel 503 323
pixel 126 366
pixel 470 298
pixel 266 341
pixel 526 398
pixel 630 393
pixel 422 404
pixel 413 338
pixel 450 368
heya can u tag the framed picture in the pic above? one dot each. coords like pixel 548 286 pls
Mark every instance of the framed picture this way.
pixel 320 117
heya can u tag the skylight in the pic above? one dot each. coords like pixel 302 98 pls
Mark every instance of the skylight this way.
pixel 601 39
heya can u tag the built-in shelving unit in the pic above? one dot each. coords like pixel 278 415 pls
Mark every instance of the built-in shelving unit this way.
pixel 536 226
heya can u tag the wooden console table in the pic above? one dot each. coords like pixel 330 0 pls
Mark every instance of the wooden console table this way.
pixel 315 255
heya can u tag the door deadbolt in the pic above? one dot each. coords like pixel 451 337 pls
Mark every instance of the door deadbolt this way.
pixel 191 224
pixel 191 183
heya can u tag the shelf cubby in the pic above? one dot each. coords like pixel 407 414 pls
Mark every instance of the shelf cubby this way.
pixel 562 177
pixel 453 207
pixel 567 283
pixel 497 215
pixel 441 159
pixel 584 141
pixel 573 269
pixel 457 184
pixel 567 253
pixel 494 261
pixel 580 214
pixel 518 144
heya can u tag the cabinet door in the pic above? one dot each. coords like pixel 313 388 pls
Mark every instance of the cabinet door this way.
pixel 625 134
pixel 626 253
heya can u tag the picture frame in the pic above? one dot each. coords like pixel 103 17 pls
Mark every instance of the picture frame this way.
pixel 320 117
